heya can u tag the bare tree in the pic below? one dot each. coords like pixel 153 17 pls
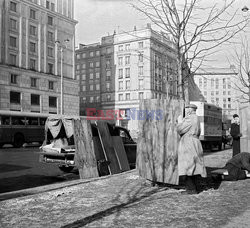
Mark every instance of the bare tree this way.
pixel 197 31
pixel 241 59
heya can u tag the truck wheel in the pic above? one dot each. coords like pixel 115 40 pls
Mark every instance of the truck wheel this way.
pixel 66 169
pixel 18 140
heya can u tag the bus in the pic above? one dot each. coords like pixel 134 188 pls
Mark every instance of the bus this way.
pixel 17 128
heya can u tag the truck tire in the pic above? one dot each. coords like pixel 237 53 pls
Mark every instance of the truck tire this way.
pixel 18 140
pixel 66 169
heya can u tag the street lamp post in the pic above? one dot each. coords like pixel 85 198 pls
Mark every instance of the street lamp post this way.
pixel 62 47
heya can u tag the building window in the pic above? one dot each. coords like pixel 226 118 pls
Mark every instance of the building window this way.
pixel 108 50
pixel 217 92
pixel 91 75
pixel 141 95
pixel 51 85
pixel 97 53
pixel 120 97
pixel 120 47
pixel 78 56
pixel 13 6
pixel 108 63
pixel 32 14
pixel 84 99
pixel 78 67
pixel 91 99
pixel 97 75
pixel 91 64
pixel 229 99
pixel 127 96
pixel 127 84
pixel 15 97
pixel 200 83
pixel 50 51
pixel 91 54
pixel 108 75
pixel 52 102
pixel 140 44
pixel 32 47
pixel 84 88
pixel 13 78
pixel 97 64
pixel 127 47
pixel 13 59
pixel 108 97
pixel 50 68
pixel 127 60
pixel 224 92
pixel 33 82
pixel 13 41
pixel 52 6
pixel 32 30
pixel 91 87
pixel 97 98
pixel 140 70
pixel 47 4
pixel 140 58
pixel 229 92
pixel 97 86
pixel 83 65
pixel 205 93
pixel 50 20
pixel 120 75
pixel 121 85
pixel 127 72
pixel 83 77
pixel 13 24
pixel 32 64
pixel 84 55
pixel 120 61
pixel 140 83
pixel 50 37
pixel 108 86
pixel 35 99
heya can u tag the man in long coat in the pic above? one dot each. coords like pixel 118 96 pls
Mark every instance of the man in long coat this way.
pixel 235 133
pixel 190 152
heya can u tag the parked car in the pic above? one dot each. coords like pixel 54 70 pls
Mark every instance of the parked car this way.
pixel 59 148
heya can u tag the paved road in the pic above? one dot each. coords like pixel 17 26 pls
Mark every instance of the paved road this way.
pixel 20 168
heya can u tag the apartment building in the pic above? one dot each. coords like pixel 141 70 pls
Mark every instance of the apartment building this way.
pixel 36 49
pixel 134 65
pixel 218 87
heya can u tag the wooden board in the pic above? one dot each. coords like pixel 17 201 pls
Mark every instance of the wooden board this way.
pixel 245 128
pixel 121 153
pixel 157 158
pixel 109 152
pixel 85 159
pixel 100 157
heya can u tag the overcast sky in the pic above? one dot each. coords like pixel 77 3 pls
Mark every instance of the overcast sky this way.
pixel 97 18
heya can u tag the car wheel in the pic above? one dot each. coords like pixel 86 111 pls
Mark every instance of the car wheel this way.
pixel 66 169
pixel 18 140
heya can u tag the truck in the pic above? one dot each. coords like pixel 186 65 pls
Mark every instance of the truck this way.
pixel 210 117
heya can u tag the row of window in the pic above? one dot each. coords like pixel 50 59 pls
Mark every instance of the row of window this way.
pixel 92 87
pixel 15 98
pixel 126 47
pixel 90 54
pixel 32 63
pixel 91 65
pixel 32 13
pixel 32 46
pixel 34 82
pixel 212 93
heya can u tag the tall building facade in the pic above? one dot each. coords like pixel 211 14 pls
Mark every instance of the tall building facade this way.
pixel 134 65
pixel 36 49
pixel 218 87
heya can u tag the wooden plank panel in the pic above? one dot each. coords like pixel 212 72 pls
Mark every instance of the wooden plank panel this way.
pixel 157 158
pixel 108 148
pixel 121 153
pixel 85 159
pixel 100 157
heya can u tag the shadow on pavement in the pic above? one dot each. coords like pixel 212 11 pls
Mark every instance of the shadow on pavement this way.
pixel 27 181
pixel 4 168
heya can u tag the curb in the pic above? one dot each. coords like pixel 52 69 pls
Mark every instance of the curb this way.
pixel 56 186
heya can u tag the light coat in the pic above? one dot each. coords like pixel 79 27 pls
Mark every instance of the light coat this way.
pixel 190 152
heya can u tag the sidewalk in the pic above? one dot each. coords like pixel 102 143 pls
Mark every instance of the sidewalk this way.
pixel 126 200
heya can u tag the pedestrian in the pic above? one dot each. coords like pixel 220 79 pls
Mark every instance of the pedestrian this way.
pixel 235 133
pixel 238 167
pixel 190 153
